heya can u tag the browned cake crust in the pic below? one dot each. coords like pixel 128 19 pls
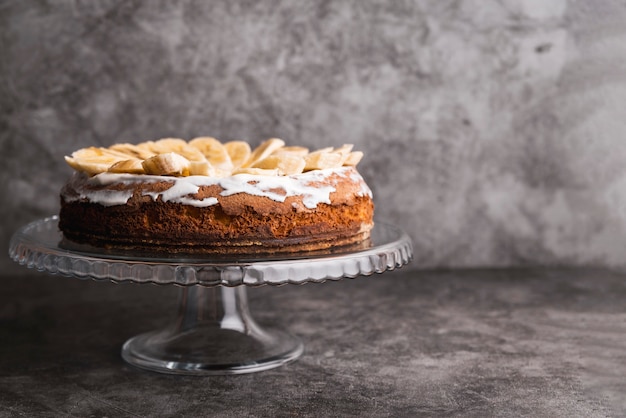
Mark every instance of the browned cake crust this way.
pixel 239 223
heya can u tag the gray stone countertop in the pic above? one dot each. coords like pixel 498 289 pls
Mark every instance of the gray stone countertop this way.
pixel 521 342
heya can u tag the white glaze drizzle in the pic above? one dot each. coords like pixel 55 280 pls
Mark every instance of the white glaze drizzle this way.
pixel 277 188
pixel 109 197
pixel 365 190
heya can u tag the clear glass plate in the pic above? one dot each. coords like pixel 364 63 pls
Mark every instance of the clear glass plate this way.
pixel 213 332
pixel 38 245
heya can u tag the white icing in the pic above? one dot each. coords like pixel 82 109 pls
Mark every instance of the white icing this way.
pixel 110 197
pixel 277 188
pixel 206 202
pixel 365 190
pixel 178 190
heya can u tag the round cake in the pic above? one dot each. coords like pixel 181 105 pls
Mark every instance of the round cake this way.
pixel 203 196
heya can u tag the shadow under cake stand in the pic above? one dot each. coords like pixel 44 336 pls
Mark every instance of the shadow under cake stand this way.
pixel 213 332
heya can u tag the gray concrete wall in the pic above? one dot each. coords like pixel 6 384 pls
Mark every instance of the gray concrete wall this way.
pixel 493 129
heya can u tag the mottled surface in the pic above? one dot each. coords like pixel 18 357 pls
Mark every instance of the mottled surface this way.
pixel 493 129
pixel 481 343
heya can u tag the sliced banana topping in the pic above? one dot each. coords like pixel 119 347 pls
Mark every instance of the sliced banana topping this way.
pixel 301 151
pixel 169 164
pixel 94 160
pixel 214 151
pixel 207 156
pixel 322 160
pixel 132 166
pixel 179 146
pixel 239 152
pixel 344 149
pixel 200 168
pixel 286 164
pixel 137 151
pixel 353 158
pixel 264 150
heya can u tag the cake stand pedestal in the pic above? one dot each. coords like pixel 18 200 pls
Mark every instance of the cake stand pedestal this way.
pixel 214 331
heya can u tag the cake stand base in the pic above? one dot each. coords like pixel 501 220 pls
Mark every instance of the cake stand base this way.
pixel 213 334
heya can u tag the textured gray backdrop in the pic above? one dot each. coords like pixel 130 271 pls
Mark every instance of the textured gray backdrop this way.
pixel 493 129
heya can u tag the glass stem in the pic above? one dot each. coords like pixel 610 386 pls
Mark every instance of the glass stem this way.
pixel 221 307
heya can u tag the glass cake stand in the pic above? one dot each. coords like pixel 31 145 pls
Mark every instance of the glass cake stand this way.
pixel 213 332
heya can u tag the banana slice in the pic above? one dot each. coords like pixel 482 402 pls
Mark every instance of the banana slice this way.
pixel 286 164
pixel 165 145
pixel 264 150
pixel 94 160
pixel 239 152
pixel 132 150
pixel 322 160
pixel 204 168
pixel 256 171
pixel 179 146
pixel 345 149
pixel 147 148
pixel 169 164
pixel 322 150
pixel 353 158
pixel 90 166
pixel 97 152
pixel 295 150
pixel 213 151
pixel 200 168
pixel 132 166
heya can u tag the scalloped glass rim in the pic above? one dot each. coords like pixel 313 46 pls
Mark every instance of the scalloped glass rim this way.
pixel 36 245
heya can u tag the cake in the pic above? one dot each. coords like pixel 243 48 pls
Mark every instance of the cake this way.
pixel 204 196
